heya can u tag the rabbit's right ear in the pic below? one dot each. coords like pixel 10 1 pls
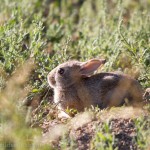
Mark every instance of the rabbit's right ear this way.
pixel 88 68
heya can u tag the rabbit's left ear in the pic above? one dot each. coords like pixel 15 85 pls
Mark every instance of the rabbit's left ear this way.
pixel 87 68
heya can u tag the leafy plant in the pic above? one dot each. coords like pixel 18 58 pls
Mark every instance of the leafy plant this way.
pixel 49 33
pixel 103 139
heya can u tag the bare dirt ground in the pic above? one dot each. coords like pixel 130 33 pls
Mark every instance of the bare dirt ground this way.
pixel 83 127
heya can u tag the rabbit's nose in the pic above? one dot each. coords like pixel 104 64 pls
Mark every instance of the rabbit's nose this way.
pixel 49 76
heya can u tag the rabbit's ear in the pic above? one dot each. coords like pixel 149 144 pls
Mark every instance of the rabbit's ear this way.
pixel 87 68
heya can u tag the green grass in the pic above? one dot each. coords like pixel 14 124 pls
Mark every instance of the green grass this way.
pixel 36 36
pixel 103 139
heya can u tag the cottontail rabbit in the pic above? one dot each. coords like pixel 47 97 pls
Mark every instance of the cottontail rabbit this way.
pixel 75 86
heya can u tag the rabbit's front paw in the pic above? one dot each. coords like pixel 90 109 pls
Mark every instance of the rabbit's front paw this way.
pixel 62 114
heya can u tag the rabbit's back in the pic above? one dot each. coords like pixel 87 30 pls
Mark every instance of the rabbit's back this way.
pixel 110 89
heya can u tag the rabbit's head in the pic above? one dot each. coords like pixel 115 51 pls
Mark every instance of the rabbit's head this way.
pixel 70 72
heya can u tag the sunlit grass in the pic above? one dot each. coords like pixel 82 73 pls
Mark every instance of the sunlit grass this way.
pixel 36 36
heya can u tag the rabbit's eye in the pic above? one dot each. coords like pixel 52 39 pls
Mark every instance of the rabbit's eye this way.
pixel 61 71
